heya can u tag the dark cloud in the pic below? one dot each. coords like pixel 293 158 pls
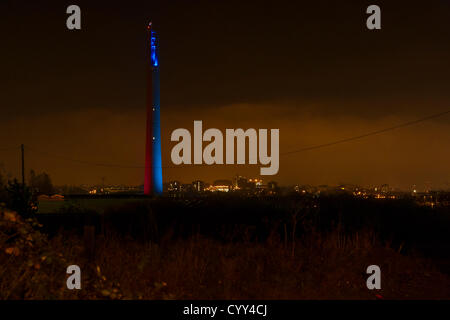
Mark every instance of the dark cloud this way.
pixel 292 60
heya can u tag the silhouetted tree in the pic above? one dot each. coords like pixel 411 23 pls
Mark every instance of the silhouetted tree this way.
pixel 3 192
pixel 40 183
pixel 20 199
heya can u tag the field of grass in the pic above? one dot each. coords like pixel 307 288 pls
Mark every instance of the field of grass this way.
pixel 228 248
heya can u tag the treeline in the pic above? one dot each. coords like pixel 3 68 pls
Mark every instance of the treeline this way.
pixel 22 198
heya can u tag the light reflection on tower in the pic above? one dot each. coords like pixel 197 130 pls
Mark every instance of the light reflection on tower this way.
pixel 153 168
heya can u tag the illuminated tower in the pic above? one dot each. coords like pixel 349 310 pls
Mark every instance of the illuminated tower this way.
pixel 153 169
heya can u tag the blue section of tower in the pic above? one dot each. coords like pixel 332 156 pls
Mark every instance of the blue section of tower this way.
pixel 153 48
pixel 157 167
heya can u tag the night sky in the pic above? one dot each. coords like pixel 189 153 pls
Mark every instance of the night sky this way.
pixel 311 69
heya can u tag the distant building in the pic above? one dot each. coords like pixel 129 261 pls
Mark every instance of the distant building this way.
pixel 249 186
pixel 241 183
pixel 272 185
pixel 384 188
pixel 187 188
pixel 255 183
pixel 174 187
pixel 221 186
pixel 198 185
pixel 272 188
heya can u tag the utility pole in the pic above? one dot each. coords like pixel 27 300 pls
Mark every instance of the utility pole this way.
pixel 23 164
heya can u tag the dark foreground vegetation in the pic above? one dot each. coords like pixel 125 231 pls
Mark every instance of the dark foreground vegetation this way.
pixel 222 247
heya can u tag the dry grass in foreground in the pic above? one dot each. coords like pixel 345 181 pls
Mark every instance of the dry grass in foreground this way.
pixel 318 267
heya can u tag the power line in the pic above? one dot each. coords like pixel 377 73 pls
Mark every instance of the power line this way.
pixel 99 164
pixel 402 125
pixel 10 148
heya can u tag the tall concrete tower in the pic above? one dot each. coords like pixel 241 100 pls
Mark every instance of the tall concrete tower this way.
pixel 153 169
